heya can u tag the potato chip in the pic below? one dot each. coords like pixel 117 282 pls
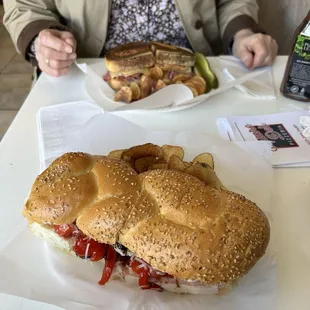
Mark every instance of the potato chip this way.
pixel 176 163
pixel 204 158
pixel 152 157
pixel 136 92
pixel 198 171
pixel 180 77
pixel 116 154
pixel 166 78
pixel 159 85
pixel 199 78
pixel 156 73
pixel 143 150
pixel 199 84
pixel 161 161
pixel 124 95
pixel 117 84
pixel 144 163
pixel 206 174
pixel 212 179
pixel 146 85
pixel 189 84
pixel 170 150
pixel 160 166
pixel 187 164
pixel 192 88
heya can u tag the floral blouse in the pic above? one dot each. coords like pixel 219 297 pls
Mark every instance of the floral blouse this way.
pixel 145 20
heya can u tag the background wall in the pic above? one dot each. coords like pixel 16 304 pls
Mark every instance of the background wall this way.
pixel 281 17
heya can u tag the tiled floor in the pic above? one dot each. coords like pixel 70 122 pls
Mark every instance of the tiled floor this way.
pixel 15 79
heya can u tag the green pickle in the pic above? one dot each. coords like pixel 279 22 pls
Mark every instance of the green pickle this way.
pixel 202 68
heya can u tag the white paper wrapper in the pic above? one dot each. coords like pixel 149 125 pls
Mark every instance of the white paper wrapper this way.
pixel 169 99
pixel 31 269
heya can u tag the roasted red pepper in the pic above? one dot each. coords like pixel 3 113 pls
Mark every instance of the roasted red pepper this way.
pixel 95 250
pixel 110 259
pixel 137 266
pixel 64 230
pixel 144 275
pixel 98 250
pixel 144 283
pixel 144 279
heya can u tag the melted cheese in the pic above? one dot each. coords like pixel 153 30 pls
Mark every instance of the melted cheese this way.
pixel 128 73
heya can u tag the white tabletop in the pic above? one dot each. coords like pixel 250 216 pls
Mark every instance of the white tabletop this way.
pixel 19 165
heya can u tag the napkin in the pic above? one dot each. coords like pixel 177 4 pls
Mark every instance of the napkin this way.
pixel 261 87
pixel 58 125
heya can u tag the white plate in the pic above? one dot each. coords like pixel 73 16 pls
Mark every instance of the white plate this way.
pixel 171 98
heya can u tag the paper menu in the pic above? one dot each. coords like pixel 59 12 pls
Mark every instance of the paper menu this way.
pixel 284 131
pixel 63 280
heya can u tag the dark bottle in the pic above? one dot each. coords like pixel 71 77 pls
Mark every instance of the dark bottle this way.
pixel 296 80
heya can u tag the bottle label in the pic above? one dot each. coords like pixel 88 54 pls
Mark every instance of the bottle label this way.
pixel 306 31
pixel 298 82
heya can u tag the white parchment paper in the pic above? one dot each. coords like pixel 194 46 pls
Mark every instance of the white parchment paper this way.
pixel 31 269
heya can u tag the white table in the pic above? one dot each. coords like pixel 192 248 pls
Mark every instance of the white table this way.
pixel 19 165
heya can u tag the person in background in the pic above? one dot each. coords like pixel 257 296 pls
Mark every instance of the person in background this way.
pixel 51 34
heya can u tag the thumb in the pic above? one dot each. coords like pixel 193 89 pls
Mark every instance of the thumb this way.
pixel 246 57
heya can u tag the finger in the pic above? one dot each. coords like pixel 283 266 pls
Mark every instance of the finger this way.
pixel 37 45
pixel 66 35
pixel 56 72
pixel 261 52
pixel 60 64
pixel 72 43
pixel 53 54
pixel 53 72
pixel 272 45
pixel 48 39
pixel 246 57
pixel 49 70
pixel 273 48
pixel 268 61
pixel 68 38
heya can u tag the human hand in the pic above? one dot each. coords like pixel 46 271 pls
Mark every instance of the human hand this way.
pixel 55 51
pixel 254 50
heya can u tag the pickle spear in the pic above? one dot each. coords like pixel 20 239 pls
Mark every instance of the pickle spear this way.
pixel 202 68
